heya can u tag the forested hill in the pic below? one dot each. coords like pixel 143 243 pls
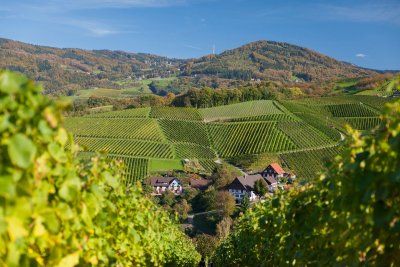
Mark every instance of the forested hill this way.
pixel 66 70
pixel 275 61
pixel 70 69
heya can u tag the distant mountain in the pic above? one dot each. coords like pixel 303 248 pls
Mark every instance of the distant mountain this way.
pixel 64 70
pixel 275 61
pixel 61 70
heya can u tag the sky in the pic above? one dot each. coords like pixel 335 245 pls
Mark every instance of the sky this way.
pixel 362 32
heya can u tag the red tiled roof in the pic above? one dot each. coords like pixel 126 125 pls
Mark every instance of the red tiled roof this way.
pixel 277 168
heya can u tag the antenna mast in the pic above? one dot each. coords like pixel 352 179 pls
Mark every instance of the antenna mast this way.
pixel 213 50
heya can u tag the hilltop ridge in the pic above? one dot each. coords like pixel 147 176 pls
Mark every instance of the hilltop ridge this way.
pixel 64 69
pixel 275 61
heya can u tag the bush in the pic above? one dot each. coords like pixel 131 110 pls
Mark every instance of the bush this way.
pixel 350 217
pixel 56 211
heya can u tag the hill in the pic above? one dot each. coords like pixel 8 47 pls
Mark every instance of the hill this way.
pixel 275 61
pixel 69 69
pixel 301 133
pixel 66 71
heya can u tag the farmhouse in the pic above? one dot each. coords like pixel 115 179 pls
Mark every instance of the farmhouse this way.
pixel 272 183
pixel 161 184
pixel 244 186
pixel 274 170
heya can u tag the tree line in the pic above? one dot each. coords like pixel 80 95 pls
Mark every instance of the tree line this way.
pixel 208 97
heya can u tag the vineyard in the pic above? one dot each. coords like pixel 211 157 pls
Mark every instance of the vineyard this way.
pixel 233 139
pixel 193 151
pixel 127 147
pixel 267 117
pixel 304 135
pixel 131 128
pixel 307 164
pixel 240 110
pixel 175 113
pixel 128 113
pixel 185 131
pixel 159 138
pixel 365 123
pixel 135 168
pixel 351 110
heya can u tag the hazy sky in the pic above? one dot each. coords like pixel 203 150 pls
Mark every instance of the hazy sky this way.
pixel 363 32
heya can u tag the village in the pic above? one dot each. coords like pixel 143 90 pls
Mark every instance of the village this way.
pixel 252 186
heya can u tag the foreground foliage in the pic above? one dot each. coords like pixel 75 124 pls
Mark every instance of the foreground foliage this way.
pixel 56 211
pixel 350 217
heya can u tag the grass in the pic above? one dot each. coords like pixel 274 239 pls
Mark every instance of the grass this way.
pixel 159 165
pixel 130 88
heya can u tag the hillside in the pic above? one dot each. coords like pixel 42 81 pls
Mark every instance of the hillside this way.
pixel 66 70
pixel 301 133
pixel 275 61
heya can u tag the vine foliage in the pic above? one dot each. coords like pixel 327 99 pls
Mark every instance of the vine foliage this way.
pixel 58 211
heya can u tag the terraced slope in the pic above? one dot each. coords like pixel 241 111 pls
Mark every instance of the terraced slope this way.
pixel 304 135
pixel 307 164
pixel 193 151
pixel 130 128
pixel 232 139
pixel 126 113
pixel 303 132
pixel 240 110
pixel 351 110
pixel 361 112
pixel 127 147
pixel 175 113
pixel 185 131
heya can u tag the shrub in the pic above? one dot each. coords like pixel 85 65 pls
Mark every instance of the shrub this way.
pixel 57 211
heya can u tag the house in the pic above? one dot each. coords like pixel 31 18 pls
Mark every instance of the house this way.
pixel 272 183
pixel 162 184
pixel 200 183
pixel 274 170
pixel 244 186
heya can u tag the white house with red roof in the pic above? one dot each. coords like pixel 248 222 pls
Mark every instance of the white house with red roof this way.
pixel 274 170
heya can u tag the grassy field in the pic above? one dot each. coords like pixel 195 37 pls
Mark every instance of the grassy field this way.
pixel 299 133
pixel 159 165
pixel 128 88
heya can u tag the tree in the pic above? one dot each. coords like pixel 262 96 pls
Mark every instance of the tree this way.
pixel 225 202
pixel 260 187
pixel 56 210
pixel 349 217
pixel 224 228
pixel 224 174
pixel 167 198
pixel 245 204
pixel 205 245
pixel 182 208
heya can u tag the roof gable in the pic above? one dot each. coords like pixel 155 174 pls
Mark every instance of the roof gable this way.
pixel 277 168
pixel 163 181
